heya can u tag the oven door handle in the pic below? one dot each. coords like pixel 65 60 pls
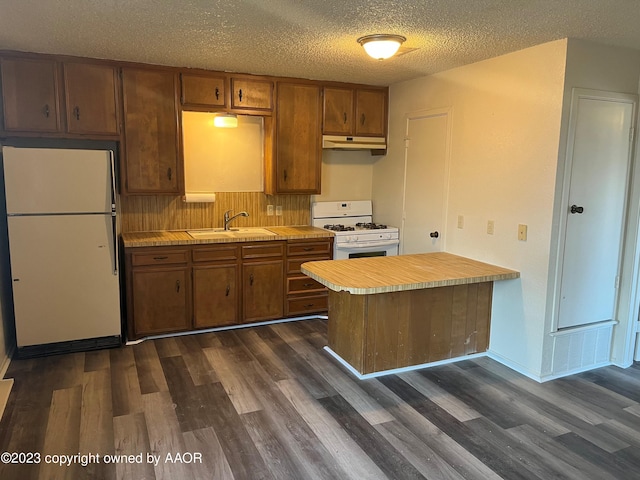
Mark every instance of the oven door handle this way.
pixel 352 246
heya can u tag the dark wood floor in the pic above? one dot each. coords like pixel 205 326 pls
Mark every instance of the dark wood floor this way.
pixel 269 403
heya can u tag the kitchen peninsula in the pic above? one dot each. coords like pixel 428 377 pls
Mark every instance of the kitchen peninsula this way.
pixel 393 312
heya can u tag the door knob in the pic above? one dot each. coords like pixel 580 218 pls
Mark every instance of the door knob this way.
pixel 434 234
pixel 576 209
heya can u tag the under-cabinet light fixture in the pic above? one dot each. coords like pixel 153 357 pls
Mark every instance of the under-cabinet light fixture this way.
pixel 225 120
pixel 381 45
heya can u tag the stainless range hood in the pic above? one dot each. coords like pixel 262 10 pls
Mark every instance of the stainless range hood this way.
pixel 353 143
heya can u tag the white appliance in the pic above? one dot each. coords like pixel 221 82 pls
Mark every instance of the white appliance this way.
pixel 61 220
pixel 355 233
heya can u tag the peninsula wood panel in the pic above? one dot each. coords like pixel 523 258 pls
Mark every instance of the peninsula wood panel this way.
pixel 393 330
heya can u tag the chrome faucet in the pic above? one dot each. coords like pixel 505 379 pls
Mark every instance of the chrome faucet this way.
pixel 228 219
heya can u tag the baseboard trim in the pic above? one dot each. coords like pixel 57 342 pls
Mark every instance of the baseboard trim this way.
pixel 516 367
pixel 5 390
pixel 395 371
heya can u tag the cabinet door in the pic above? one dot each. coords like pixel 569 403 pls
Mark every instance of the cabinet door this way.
pixel 371 111
pixel 338 111
pixel 251 94
pixel 151 132
pixel 263 290
pixel 160 298
pixel 91 98
pixel 203 91
pixel 215 295
pixel 30 95
pixel 298 139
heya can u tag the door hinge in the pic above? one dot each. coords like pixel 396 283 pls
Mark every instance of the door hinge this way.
pixel 617 281
pixel 637 327
pixel 406 142
pixel 632 131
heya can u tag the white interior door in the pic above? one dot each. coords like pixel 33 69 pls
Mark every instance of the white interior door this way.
pixel 599 155
pixel 426 182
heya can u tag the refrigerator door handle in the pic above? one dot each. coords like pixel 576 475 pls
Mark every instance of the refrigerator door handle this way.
pixel 113 180
pixel 114 228
pixel 114 222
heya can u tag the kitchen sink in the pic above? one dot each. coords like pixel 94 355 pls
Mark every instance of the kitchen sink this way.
pixel 207 233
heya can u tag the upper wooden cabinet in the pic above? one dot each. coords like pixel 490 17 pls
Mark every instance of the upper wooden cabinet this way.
pixel 349 111
pixel 251 94
pixel 91 98
pixel 296 165
pixel 34 102
pixel 151 154
pixel 203 91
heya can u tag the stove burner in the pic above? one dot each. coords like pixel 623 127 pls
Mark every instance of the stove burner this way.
pixel 371 226
pixel 339 228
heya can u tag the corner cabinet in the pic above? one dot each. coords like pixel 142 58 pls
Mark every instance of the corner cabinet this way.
pixel 36 101
pixel 151 138
pixel 354 111
pixel 297 160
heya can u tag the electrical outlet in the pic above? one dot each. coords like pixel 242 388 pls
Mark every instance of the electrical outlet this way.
pixel 522 232
pixel 269 210
pixel 460 221
pixel 490 227
pixel 279 210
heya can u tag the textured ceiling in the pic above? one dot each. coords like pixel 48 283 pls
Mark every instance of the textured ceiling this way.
pixel 309 38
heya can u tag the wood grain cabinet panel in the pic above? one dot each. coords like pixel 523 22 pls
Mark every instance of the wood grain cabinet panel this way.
pixel 338 111
pixel 371 113
pixel 91 98
pixel 354 111
pixel 216 285
pixel 296 167
pixel 251 94
pixel 161 300
pixel 151 156
pixel 30 95
pixel 262 281
pixel 203 90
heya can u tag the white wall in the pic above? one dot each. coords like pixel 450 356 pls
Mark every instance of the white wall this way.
pixel 506 117
pixel 346 175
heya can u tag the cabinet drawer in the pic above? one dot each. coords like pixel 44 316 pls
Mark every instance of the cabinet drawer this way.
pixel 306 305
pixel 214 254
pixel 309 248
pixel 160 257
pixel 293 264
pixel 263 250
pixel 303 284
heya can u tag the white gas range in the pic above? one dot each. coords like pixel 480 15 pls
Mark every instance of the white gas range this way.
pixel 355 233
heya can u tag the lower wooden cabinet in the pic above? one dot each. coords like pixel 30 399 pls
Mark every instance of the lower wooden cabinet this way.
pixel 161 300
pixel 175 289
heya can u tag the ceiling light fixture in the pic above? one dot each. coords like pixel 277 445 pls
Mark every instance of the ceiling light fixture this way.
pixel 225 120
pixel 380 45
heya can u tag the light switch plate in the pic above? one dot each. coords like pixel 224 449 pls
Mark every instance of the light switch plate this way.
pixel 490 227
pixel 460 221
pixel 279 210
pixel 269 210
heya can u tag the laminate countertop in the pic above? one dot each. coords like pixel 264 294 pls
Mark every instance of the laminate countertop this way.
pixel 181 237
pixel 364 276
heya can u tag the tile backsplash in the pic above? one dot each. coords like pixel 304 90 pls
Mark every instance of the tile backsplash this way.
pixel 147 213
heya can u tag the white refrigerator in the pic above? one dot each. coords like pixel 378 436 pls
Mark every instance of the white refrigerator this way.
pixel 62 229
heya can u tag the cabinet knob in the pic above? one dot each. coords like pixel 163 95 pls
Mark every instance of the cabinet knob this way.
pixel 240 94
pixel 284 174
pixel 226 293
pixel 434 234
pixel 45 110
pixel 217 93
pixel 362 119
pixel 178 286
pixel 76 112
pixel 344 116
pixel 251 279
pixel 169 173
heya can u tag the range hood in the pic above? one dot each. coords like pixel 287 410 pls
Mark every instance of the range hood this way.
pixel 353 143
